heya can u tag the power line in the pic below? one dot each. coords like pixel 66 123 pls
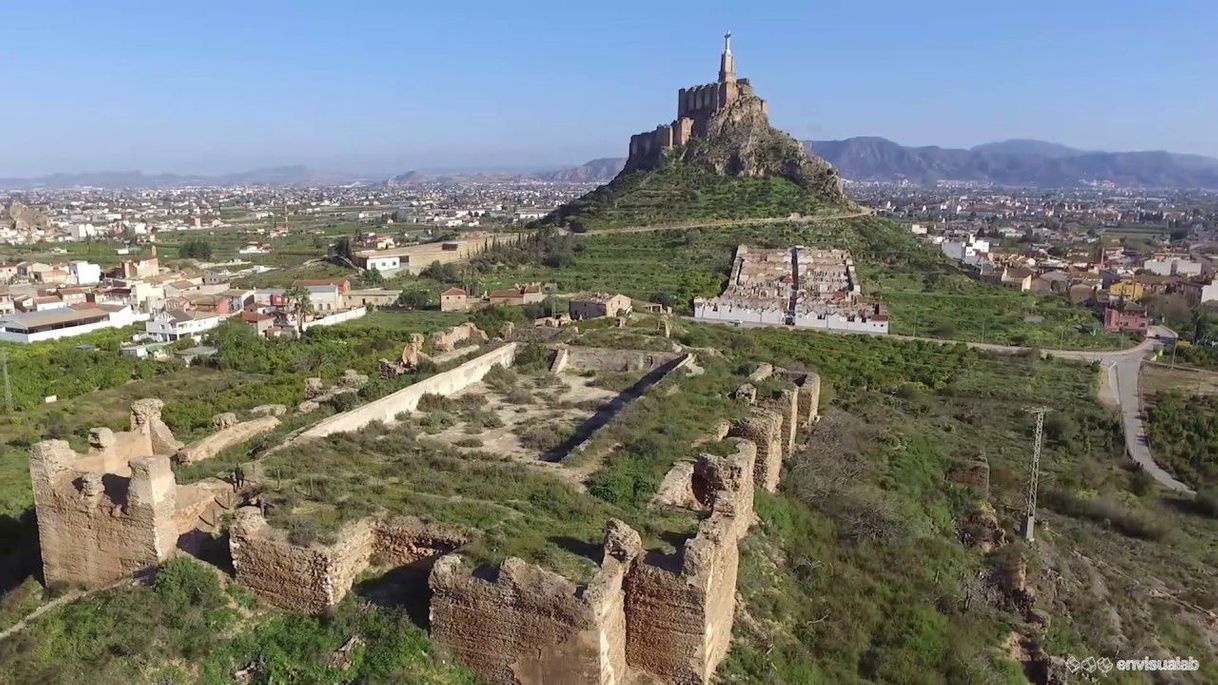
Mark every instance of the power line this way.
pixel 1029 524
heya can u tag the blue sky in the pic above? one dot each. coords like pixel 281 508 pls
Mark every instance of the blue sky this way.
pixel 388 86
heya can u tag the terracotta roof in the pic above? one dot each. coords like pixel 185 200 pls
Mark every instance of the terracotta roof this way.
pixel 453 292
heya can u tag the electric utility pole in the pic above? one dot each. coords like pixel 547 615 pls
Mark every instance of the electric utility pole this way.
pixel 1029 524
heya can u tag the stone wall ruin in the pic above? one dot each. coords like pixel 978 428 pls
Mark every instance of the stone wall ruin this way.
pixel 315 577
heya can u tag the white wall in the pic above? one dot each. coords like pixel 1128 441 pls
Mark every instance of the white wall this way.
pixel 407 399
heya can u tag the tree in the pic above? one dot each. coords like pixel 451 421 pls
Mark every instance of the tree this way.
pixel 372 277
pixel 413 299
pixel 195 248
pixel 299 305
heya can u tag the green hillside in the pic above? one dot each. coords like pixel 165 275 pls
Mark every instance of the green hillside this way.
pixel 682 192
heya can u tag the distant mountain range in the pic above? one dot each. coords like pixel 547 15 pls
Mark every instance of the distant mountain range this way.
pixel 1011 162
pixel 275 176
pixel 1014 163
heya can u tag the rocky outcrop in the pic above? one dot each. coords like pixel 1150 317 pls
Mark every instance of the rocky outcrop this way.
pixel 26 218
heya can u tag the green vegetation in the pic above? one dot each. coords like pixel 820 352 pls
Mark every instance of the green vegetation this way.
pixel 1183 432
pixel 188 627
pixel 195 248
pixel 926 294
pixel 681 192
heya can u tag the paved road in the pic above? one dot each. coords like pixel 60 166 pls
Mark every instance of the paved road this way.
pixel 1123 368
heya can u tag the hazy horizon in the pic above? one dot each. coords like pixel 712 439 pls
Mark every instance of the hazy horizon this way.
pixel 375 88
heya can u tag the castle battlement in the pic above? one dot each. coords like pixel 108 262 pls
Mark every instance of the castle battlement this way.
pixel 695 107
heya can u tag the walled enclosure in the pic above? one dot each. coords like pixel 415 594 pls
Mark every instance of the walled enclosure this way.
pixel 117 510
pixel 316 577
pixel 666 618
pixel 525 624
pixel 407 399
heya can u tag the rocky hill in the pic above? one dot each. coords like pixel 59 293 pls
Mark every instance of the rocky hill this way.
pixel 1016 163
pixel 719 159
pixel 24 217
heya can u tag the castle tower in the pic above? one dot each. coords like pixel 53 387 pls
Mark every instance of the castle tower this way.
pixel 728 90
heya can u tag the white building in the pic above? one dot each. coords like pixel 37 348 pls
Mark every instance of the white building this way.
pixel 1209 293
pixel 32 327
pixel 1172 266
pixel 174 324
pixel 86 273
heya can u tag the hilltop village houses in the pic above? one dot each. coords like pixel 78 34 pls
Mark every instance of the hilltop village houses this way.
pixel 40 302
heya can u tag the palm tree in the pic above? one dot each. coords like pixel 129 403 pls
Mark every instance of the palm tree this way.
pixel 299 305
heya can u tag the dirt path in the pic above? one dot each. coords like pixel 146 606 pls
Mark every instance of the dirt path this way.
pixel 58 602
pixel 724 223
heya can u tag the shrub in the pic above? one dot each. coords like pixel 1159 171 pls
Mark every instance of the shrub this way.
pixel 344 401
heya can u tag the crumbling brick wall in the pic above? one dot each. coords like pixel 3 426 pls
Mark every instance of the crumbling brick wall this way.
pixel 680 608
pixel 309 578
pixel 525 624
pixel 313 578
pixel 763 428
pixel 96 528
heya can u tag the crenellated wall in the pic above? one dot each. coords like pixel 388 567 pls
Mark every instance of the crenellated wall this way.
pixel 95 528
pixel 524 624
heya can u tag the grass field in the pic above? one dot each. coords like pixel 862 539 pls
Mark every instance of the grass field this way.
pixel 926 295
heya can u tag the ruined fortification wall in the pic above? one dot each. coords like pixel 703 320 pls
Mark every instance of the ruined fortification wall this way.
pixel 447 341
pixel 680 608
pixel 96 528
pixel 407 399
pixel 316 577
pixel 763 428
pixel 525 624
pixel 786 405
pixel 581 358
pixel 309 578
pixel 225 438
pixel 809 398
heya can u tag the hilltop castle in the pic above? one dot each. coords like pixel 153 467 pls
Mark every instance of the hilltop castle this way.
pixel 696 105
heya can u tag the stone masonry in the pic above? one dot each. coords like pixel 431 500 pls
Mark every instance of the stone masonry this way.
pixel 314 578
pixel 95 528
pixel 525 624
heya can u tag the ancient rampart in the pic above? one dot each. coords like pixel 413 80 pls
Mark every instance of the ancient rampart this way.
pixel 447 341
pixel 315 577
pixel 524 624
pixel 407 399
pixel 95 528
pixel 680 608
pixel 581 358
